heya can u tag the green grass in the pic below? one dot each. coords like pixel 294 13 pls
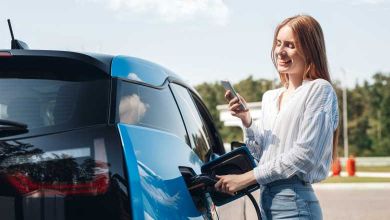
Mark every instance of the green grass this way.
pixel 338 179
pixel 372 169
pixel 383 169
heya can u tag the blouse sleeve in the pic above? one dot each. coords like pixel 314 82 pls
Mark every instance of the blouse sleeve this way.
pixel 254 135
pixel 315 137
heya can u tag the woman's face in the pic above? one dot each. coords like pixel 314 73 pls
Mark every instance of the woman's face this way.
pixel 288 60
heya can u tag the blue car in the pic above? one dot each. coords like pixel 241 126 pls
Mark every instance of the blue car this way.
pixel 89 136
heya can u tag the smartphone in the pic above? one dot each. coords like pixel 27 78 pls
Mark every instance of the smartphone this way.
pixel 226 84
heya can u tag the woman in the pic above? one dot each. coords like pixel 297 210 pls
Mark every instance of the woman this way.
pixel 293 138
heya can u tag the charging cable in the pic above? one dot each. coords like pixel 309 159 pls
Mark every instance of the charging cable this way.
pixel 208 182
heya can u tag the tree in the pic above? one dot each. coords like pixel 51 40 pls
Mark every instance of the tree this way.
pixel 368 111
pixel 213 95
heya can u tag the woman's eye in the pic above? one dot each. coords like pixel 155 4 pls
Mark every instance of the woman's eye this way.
pixel 290 45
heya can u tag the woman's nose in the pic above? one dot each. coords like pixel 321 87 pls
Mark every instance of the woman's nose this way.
pixel 280 53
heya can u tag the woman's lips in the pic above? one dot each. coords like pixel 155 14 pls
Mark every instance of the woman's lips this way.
pixel 284 62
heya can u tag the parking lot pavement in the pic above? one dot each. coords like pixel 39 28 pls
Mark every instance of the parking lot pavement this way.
pixel 355 202
pixel 240 209
pixel 338 202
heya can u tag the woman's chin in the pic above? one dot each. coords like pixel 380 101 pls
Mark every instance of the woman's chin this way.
pixel 283 70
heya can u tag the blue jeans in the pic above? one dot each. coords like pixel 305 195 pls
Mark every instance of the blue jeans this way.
pixel 289 199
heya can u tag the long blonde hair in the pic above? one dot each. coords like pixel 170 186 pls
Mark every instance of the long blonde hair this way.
pixel 311 46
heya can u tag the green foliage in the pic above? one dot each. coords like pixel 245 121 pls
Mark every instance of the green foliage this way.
pixel 213 95
pixel 253 90
pixel 230 134
pixel 355 179
pixel 368 111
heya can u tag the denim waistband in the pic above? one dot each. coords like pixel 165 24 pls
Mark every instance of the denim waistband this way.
pixel 292 180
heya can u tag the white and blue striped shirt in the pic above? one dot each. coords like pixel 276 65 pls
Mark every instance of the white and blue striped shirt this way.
pixel 298 139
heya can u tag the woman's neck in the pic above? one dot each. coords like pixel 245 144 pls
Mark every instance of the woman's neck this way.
pixel 294 81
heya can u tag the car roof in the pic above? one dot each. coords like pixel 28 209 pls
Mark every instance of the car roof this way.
pixel 116 66
pixel 100 61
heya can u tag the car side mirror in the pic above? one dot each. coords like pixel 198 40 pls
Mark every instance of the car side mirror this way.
pixel 238 161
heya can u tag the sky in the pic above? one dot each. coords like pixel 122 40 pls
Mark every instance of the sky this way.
pixel 204 40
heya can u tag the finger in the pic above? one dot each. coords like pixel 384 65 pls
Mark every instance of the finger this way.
pixel 228 95
pixel 239 110
pixel 228 191
pixel 236 107
pixel 231 191
pixel 225 187
pixel 233 101
pixel 240 107
pixel 218 184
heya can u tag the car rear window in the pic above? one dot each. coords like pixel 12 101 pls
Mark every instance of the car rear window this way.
pixel 51 95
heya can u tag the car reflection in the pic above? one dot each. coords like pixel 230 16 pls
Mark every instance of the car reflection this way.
pixel 167 195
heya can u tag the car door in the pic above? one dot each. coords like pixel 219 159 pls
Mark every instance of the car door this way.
pixel 157 148
pixel 204 138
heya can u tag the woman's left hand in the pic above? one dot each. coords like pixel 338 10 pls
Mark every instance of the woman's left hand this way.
pixel 233 183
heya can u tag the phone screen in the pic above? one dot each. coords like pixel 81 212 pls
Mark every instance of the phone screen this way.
pixel 228 86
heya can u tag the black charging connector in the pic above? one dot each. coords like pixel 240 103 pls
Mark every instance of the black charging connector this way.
pixel 207 182
pixel 202 181
pixel 236 162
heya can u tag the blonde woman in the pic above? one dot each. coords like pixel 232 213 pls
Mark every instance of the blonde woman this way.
pixel 296 134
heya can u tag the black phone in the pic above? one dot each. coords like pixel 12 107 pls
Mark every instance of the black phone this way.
pixel 228 86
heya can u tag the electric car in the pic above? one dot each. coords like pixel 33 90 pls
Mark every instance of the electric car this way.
pixel 89 136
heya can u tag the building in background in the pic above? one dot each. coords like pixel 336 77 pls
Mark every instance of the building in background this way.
pixel 231 121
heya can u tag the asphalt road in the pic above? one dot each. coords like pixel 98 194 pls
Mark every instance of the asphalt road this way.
pixel 354 204
pixel 337 204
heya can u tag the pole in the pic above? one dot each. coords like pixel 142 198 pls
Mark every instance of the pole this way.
pixel 345 117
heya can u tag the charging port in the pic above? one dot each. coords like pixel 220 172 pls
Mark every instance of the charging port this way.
pixel 199 186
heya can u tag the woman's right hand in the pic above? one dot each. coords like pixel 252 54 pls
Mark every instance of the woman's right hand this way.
pixel 235 110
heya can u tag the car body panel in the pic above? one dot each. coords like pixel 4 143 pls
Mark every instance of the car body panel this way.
pixel 133 174
pixel 158 177
pixel 139 70
pixel 58 176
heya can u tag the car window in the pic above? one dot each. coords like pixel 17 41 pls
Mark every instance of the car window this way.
pixel 213 135
pixel 52 95
pixel 149 107
pixel 197 131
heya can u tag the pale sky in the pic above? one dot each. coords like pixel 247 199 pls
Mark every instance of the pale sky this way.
pixel 203 40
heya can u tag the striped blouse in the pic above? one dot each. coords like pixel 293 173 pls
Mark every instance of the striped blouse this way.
pixel 298 139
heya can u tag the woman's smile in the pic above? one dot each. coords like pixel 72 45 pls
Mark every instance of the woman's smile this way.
pixel 284 63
